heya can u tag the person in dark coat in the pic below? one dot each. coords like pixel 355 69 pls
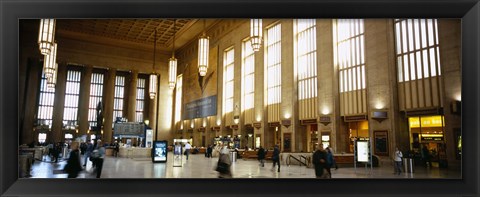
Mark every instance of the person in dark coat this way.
pixel 261 156
pixel 209 151
pixel 276 158
pixel 73 166
pixel 319 160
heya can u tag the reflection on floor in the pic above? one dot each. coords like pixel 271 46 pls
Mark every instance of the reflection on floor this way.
pixel 199 166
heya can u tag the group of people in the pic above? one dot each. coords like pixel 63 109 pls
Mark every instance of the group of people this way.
pixel 323 162
pixel 94 152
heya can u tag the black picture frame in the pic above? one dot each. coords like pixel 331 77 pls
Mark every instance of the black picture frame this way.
pixel 11 11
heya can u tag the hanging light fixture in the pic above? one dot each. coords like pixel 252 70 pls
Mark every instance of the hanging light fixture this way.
pixel 256 33
pixel 172 63
pixel 49 62
pixel 153 76
pixel 51 81
pixel 203 49
pixel 46 35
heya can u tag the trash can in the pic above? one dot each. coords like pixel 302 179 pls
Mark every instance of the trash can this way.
pixel 408 165
pixel 233 156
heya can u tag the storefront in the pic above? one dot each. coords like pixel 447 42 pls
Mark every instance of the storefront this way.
pixel 427 139
pixel 356 130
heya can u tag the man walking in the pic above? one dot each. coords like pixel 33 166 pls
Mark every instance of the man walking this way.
pixel 187 149
pixel 398 161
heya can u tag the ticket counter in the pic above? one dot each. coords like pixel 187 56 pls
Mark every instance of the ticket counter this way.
pixel 135 152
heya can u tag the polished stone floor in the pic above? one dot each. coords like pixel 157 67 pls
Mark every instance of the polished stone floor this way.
pixel 199 166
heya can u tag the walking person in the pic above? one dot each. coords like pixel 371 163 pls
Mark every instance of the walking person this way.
pixel 319 160
pixel 73 166
pixel 276 158
pixel 209 151
pixel 261 156
pixel 398 161
pixel 88 152
pixel 187 149
pixel 330 161
pixel 224 163
pixel 99 154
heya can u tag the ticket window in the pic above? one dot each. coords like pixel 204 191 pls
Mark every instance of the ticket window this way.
pixel 325 140
pixel 257 141
pixel 42 137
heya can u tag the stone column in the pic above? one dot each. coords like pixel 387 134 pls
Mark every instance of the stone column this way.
pixel 109 92
pixel 152 111
pixel 381 82
pixel 32 91
pixel 327 80
pixel 289 105
pixel 132 96
pixel 58 107
pixel 84 101
pixel 449 35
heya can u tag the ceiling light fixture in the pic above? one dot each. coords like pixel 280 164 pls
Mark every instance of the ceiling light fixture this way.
pixel 256 33
pixel 203 50
pixel 153 76
pixel 172 63
pixel 46 35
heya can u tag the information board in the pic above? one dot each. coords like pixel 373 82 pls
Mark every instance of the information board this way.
pixel 159 151
pixel 362 151
pixel 129 129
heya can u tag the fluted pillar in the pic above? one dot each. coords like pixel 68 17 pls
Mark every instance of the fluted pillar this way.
pixel 84 101
pixel 132 96
pixel 108 106
pixel 58 107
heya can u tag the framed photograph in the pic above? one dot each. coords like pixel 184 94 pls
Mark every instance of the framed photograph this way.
pixel 88 32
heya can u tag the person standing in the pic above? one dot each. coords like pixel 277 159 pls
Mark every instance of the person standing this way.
pixel 187 149
pixel 319 160
pixel 398 161
pixel 73 166
pixel 276 158
pixel 261 156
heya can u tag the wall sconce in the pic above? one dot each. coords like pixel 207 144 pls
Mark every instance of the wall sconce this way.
pixel 287 115
pixel 236 120
pixel 379 115
pixel 257 125
pixel 250 135
pixel 286 122
pixel 219 122
pixel 325 111
pixel 146 122
pixel 325 119
pixel 259 118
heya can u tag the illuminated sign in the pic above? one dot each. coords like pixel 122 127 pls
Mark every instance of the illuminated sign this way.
pixel 362 151
pixel 427 121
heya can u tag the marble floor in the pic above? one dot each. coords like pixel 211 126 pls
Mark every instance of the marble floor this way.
pixel 198 166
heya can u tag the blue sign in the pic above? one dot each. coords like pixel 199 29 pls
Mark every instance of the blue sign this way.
pixel 201 108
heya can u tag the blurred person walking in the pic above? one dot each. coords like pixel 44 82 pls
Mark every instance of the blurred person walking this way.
pixel 261 156
pixel 187 149
pixel 224 163
pixel 276 158
pixel 88 152
pixel 73 166
pixel 319 160
pixel 98 156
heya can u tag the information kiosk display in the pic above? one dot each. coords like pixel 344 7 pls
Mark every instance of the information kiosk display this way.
pixel 159 151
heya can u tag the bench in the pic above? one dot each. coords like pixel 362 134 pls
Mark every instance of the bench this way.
pixel 253 155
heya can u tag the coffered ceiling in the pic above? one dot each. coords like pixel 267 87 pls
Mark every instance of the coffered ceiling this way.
pixel 139 31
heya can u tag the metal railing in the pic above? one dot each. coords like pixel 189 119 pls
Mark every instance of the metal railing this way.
pixel 289 160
